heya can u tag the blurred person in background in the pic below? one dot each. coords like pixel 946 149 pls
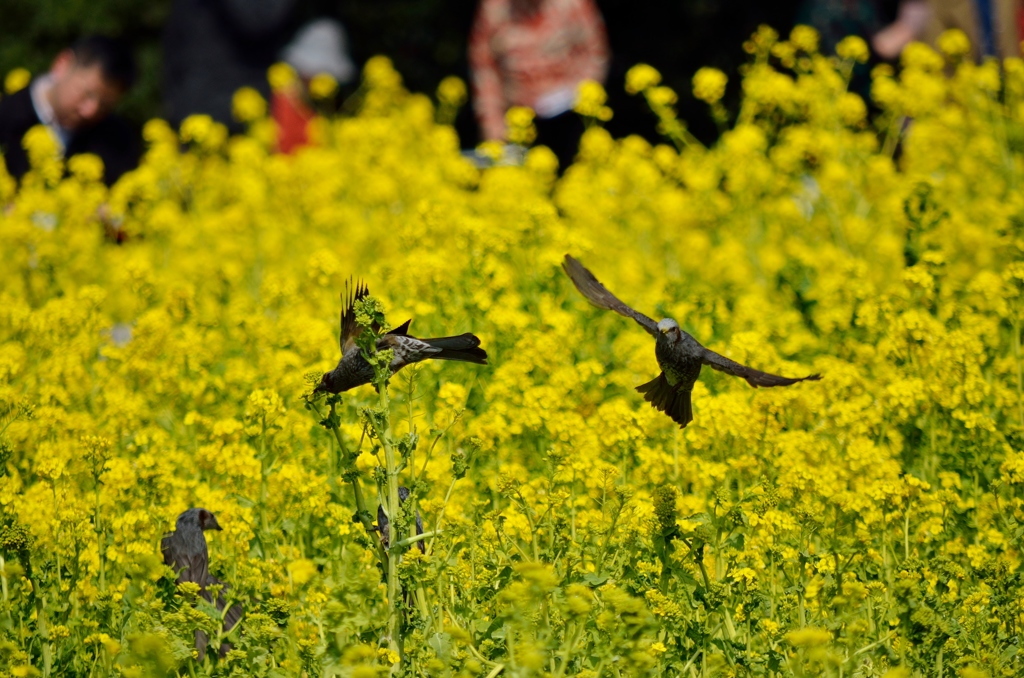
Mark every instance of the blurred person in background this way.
pixel 836 19
pixel 214 47
pixel 75 100
pixel 992 26
pixel 319 49
pixel 535 53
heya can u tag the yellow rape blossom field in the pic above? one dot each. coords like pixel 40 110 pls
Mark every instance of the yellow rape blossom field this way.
pixel 868 524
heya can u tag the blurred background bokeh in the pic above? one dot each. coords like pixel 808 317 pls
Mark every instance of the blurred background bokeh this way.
pixel 427 41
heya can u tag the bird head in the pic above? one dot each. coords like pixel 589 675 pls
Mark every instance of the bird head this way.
pixel 669 328
pixel 199 517
pixel 208 521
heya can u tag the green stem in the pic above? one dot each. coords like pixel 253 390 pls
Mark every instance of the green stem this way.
pixel 393 502
pixel 409 541
pixel 533 527
pixel 264 488
pixel 1020 377
pixel 362 514
pixel 440 516
pixel 100 542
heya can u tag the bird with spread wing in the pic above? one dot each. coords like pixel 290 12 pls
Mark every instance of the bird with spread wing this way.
pixel 354 370
pixel 679 355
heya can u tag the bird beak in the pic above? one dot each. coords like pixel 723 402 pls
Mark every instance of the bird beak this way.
pixel 664 330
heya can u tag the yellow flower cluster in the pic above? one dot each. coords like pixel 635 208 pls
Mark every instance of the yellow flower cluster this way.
pixel 709 84
pixel 867 522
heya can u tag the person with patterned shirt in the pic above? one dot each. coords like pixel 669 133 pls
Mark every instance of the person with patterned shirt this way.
pixel 535 53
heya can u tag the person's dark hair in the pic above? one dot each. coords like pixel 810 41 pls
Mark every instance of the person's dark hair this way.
pixel 113 56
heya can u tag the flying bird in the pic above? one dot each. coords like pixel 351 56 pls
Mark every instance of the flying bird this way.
pixel 185 551
pixel 679 355
pixel 354 370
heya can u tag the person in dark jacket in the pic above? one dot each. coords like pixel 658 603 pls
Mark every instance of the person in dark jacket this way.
pixel 75 101
pixel 214 47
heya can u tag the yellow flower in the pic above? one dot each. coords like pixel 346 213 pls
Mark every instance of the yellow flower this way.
pixel 380 73
pixel 590 101
pixel 281 76
pixel 323 86
pixel 248 105
pixel 709 85
pixel 452 91
pixel 202 130
pixel 852 109
pixel 86 167
pixel 661 96
pixel 853 48
pixel 519 121
pixel 920 55
pixel 301 571
pixel 641 77
pixel 17 79
pixel 387 656
pixel 954 43
pixel 804 38
pixel 808 637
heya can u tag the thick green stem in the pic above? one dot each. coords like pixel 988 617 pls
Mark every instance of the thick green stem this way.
pixel 1020 373
pixel 393 502
pixel 264 471
pixel 100 541
pixel 362 514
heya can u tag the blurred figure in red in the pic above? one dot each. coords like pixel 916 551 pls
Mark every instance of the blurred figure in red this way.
pixel 535 53
pixel 318 49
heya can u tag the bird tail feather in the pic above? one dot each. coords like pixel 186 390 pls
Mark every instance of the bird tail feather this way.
pixel 674 402
pixel 464 347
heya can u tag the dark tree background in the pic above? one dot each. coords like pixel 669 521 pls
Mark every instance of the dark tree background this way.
pixel 427 41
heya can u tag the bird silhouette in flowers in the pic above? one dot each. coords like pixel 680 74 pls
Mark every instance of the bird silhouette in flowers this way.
pixel 185 551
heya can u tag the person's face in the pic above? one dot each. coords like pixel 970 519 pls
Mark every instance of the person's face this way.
pixel 81 96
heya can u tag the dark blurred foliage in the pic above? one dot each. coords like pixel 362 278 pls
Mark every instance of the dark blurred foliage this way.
pixel 427 41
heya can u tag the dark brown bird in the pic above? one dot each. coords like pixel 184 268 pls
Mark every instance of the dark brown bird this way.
pixel 185 551
pixel 353 369
pixel 384 525
pixel 679 355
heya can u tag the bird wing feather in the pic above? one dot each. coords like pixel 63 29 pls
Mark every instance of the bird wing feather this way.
pixel 599 296
pixel 754 377
pixel 188 567
pixel 350 329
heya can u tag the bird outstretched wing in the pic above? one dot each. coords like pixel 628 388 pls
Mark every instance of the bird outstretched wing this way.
pixel 599 296
pixel 754 377
pixel 350 329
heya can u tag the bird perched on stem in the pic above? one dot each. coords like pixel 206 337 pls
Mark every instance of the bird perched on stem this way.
pixel 384 525
pixel 354 370
pixel 185 551
pixel 679 355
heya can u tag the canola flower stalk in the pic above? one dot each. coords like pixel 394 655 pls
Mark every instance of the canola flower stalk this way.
pixel 368 313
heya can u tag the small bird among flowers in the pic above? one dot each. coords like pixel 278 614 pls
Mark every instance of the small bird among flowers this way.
pixel 679 355
pixel 354 370
pixel 185 551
